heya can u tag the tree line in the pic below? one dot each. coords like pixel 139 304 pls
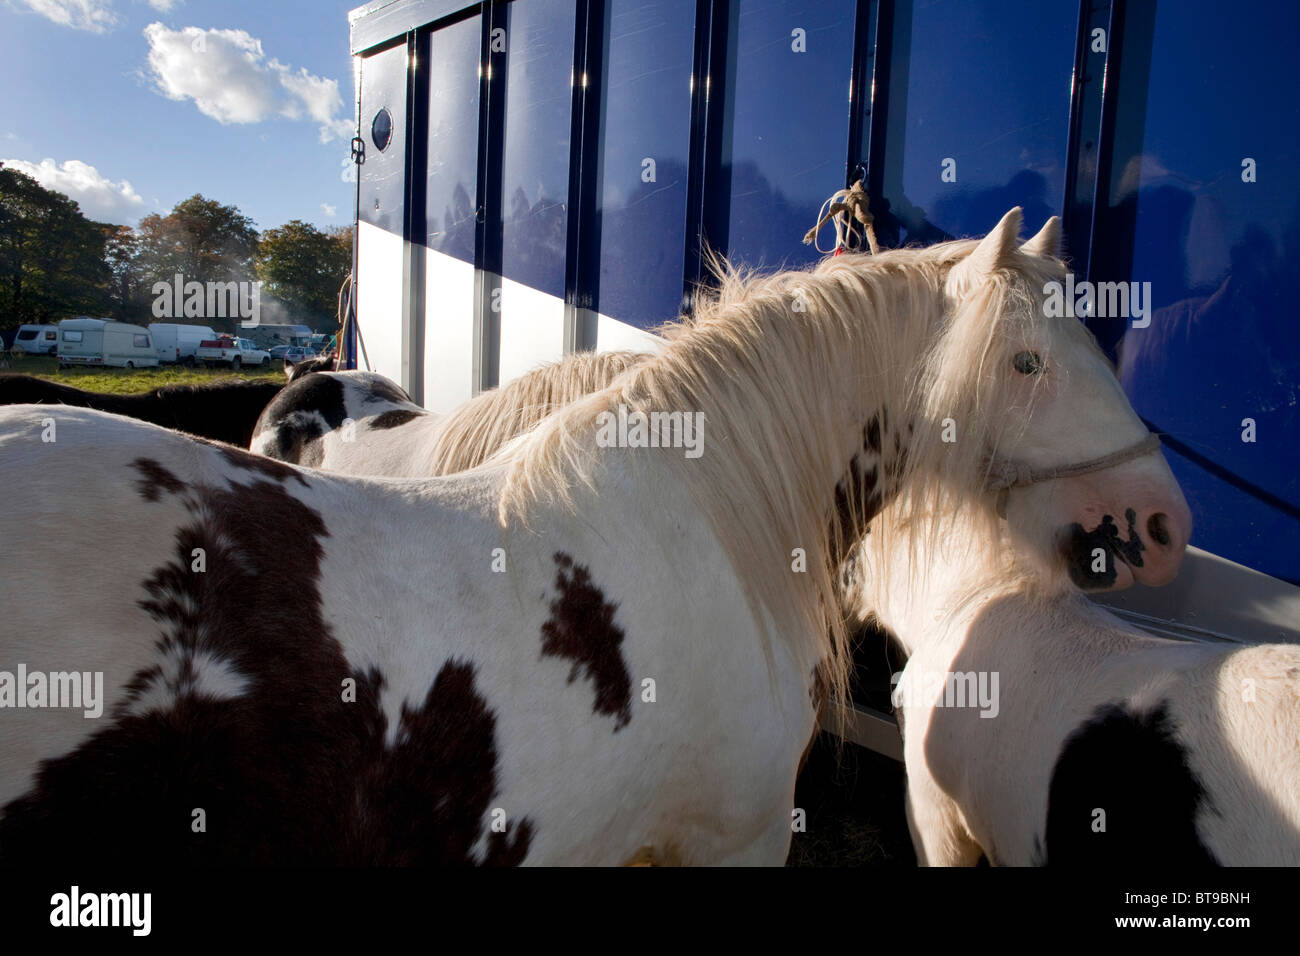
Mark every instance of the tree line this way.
pixel 56 263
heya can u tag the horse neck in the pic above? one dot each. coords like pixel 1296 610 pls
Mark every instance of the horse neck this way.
pixel 926 582
pixel 789 399
pixel 814 382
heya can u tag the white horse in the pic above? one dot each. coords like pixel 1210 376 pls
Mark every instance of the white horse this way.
pixel 1040 728
pixel 361 423
pixel 594 648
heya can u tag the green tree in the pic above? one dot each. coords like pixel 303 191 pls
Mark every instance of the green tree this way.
pixel 129 295
pixel 51 256
pixel 201 239
pixel 303 267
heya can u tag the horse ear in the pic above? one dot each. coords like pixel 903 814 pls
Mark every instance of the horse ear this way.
pixel 1048 240
pixel 995 248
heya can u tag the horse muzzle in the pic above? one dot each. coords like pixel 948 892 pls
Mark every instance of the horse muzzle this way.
pixel 1144 545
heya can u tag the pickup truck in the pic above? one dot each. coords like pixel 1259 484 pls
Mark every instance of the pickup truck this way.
pixel 230 351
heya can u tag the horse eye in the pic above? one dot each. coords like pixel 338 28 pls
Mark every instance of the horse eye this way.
pixel 1028 363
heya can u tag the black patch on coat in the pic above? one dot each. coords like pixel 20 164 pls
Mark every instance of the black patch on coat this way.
pixel 581 627
pixel 294 418
pixel 1079 544
pixel 382 390
pixel 398 416
pixel 288 773
pixel 309 366
pixel 296 440
pixel 1132 766
pixel 226 412
pixel 871 435
pixel 858 499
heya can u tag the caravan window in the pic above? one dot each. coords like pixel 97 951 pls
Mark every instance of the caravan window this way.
pixel 51 336
pixel 72 335
pixel 142 341
pixel 26 334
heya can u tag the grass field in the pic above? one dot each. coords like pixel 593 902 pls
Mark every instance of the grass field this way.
pixel 126 380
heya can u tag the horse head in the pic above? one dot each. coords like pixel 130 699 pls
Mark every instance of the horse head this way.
pixel 1071 467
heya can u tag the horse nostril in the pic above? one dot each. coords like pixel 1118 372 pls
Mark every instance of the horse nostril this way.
pixel 1157 527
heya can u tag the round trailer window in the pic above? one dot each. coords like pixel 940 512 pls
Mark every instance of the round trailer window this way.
pixel 381 130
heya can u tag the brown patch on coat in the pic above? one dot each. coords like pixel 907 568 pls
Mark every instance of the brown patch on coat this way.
pixel 154 479
pixel 288 772
pixel 261 465
pixel 581 628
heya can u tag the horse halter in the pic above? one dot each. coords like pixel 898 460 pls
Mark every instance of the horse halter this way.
pixel 1005 474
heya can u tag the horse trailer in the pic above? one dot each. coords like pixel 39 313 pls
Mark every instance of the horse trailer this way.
pixel 538 177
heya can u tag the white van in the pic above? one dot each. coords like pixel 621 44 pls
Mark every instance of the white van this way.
pixel 176 343
pixel 37 339
pixel 86 341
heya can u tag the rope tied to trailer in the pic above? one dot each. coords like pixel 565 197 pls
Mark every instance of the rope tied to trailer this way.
pixel 848 210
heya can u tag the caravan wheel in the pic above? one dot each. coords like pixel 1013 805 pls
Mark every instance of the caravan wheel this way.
pixel 130 364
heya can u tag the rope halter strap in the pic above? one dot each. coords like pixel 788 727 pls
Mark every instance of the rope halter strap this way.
pixel 1005 474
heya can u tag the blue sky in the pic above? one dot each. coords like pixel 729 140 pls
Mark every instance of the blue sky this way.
pixel 129 106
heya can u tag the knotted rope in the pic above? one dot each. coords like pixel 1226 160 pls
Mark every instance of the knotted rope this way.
pixel 1004 474
pixel 847 209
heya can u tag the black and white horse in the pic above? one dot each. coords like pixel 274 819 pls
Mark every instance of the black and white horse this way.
pixel 361 423
pixel 600 645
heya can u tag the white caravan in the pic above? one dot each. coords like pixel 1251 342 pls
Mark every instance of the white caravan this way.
pixel 36 339
pixel 86 341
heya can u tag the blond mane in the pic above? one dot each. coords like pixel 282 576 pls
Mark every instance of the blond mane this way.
pixel 786 369
pixel 479 428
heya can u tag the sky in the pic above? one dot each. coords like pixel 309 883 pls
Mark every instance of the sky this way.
pixel 129 106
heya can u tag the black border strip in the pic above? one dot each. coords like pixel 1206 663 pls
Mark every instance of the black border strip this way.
pixel 382 22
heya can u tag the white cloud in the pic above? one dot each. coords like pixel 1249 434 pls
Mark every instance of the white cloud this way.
pixel 329 210
pixel 320 97
pixel 95 16
pixel 99 197
pixel 229 78
pixel 162 6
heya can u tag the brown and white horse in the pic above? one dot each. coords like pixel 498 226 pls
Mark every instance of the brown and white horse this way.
pixel 596 643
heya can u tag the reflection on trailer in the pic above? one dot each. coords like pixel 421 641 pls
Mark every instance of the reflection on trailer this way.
pixel 507 215
pixel 85 341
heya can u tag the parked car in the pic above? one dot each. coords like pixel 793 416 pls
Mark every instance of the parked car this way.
pixel 227 350
pixel 294 354
pixel 177 343
pixel 277 352
pixel 87 341
pixel 37 339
